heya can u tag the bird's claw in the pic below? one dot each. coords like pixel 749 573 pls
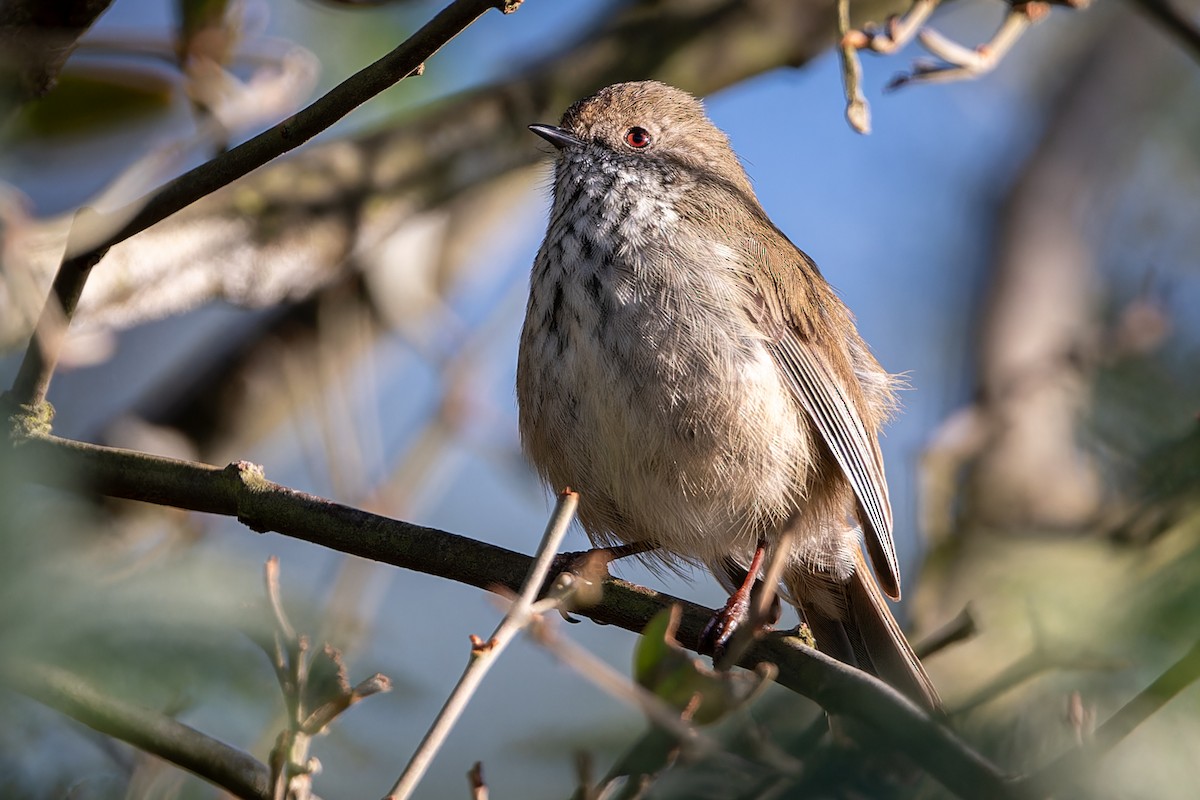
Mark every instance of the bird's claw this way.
pixel 724 623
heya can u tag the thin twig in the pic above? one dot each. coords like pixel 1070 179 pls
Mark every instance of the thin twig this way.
pixel 898 31
pixel 45 345
pixel 485 653
pixel 233 770
pixel 858 113
pixel 402 62
pixel 617 685
pixel 1041 659
pixel 960 62
pixel 271 581
pixel 309 705
pixel 291 769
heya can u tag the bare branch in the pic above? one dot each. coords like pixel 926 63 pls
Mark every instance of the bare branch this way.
pixel 960 628
pixel 1069 767
pixel 315 691
pixel 1042 658
pixel 233 770
pixel 242 490
pixel 898 31
pixel 617 685
pixel 959 62
pixel 1185 29
pixel 484 654
pixel 361 189
pixel 858 113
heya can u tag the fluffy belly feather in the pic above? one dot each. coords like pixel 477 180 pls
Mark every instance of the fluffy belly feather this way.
pixel 664 419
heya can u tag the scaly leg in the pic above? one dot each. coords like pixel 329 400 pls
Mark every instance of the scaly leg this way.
pixel 721 627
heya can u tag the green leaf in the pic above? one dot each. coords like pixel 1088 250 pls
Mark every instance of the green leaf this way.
pixel 682 681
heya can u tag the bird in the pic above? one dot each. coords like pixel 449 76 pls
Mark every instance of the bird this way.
pixel 692 375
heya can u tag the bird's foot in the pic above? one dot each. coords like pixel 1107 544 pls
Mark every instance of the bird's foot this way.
pixel 593 564
pixel 719 631
pixel 718 637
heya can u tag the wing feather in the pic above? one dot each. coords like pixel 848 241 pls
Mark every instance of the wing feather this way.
pixel 821 393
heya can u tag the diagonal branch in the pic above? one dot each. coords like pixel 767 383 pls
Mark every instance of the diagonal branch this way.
pixel 1068 768
pixel 89 242
pixel 1176 22
pixel 233 770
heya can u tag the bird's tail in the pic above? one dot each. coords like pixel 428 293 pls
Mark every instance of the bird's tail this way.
pixel 851 622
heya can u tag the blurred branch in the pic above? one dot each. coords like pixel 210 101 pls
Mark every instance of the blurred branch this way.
pixel 484 654
pixel 898 31
pixel 678 726
pixel 961 63
pixel 243 491
pixel 959 629
pixel 108 229
pixel 858 113
pixel 1043 658
pixel 45 345
pixel 404 61
pixel 267 241
pixel 36 38
pixel 1019 443
pixel 1069 767
pixel 1182 27
pixel 236 772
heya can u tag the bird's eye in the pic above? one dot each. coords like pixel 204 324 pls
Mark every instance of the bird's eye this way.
pixel 637 138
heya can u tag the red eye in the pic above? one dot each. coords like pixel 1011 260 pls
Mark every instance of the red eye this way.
pixel 637 138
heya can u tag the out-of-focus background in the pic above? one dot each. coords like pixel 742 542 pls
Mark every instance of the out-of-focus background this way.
pixel 1024 247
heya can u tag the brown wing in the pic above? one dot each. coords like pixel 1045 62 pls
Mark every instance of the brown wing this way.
pixel 798 313
pixel 823 396
pixel 802 318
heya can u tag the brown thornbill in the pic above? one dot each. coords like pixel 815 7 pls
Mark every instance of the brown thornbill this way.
pixel 689 371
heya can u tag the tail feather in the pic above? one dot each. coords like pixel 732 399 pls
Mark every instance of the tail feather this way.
pixel 857 627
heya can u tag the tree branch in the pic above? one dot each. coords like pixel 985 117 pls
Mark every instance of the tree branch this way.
pixel 1069 767
pixel 242 490
pixel 402 62
pixel 1175 22
pixel 106 230
pixel 358 189
pixel 36 38
pixel 237 772
pixel 484 654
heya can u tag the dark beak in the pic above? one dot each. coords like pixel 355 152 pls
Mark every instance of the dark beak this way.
pixel 559 137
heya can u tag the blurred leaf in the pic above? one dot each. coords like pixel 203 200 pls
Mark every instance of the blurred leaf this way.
pixel 327 679
pixel 95 98
pixel 703 695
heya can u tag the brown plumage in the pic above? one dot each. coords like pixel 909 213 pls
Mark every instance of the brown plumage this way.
pixel 690 372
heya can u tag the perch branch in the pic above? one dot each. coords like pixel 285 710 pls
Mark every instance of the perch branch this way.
pixel 243 491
